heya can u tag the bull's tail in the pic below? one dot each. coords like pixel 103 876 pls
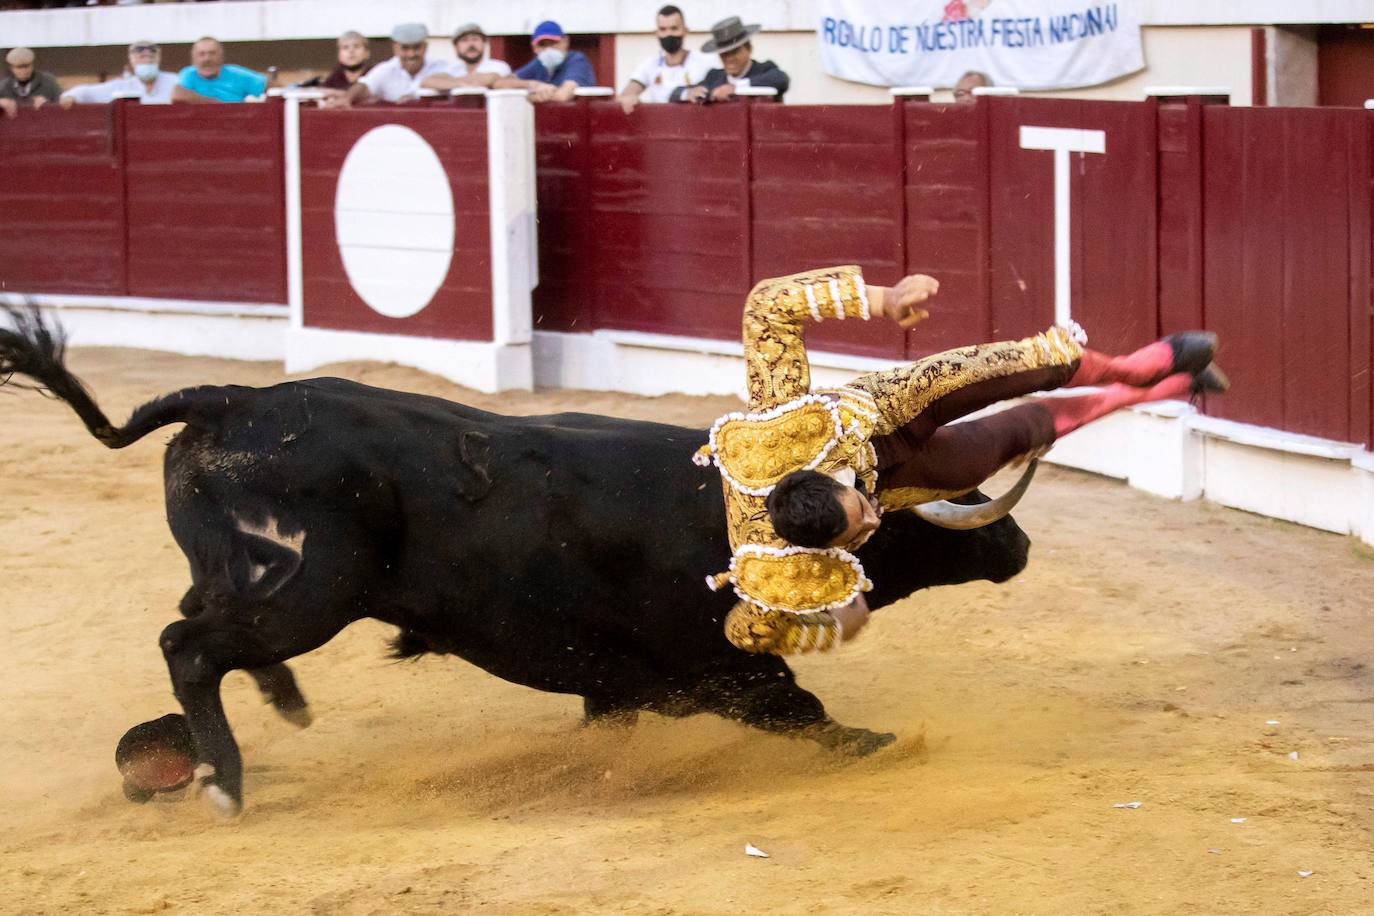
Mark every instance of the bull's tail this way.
pixel 35 349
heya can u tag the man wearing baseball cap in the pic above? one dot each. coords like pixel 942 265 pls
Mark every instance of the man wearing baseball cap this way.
pixel 26 87
pixel 473 67
pixel 398 78
pixel 556 72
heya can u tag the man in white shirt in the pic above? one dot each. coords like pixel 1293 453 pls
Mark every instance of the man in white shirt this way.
pixel 473 67
pixel 143 78
pixel 655 79
pixel 399 78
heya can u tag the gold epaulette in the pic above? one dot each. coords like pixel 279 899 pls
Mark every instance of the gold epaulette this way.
pixel 756 450
pixel 794 579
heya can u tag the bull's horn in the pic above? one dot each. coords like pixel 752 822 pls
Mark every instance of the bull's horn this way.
pixel 952 515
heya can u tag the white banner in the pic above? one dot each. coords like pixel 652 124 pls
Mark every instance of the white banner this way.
pixel 1029 44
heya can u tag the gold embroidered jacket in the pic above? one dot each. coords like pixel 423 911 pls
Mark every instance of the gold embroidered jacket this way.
pixel 787 592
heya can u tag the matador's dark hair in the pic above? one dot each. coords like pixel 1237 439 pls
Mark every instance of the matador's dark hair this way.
pixel 806 510
pixel 671 10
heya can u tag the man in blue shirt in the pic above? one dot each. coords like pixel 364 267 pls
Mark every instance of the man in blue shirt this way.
pixel 556 72
pixel 210 79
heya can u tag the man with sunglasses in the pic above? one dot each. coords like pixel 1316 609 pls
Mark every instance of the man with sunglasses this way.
pixel 143 78
pixel 808 474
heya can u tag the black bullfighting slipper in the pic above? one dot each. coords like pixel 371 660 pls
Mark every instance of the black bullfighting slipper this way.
pixel 1193 351
pixel 1211 380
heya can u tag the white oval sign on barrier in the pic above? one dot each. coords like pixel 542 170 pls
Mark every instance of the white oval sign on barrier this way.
pixel 393 220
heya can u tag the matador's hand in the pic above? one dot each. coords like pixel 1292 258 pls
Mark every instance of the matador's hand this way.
pixel 852 618
pixel 902 303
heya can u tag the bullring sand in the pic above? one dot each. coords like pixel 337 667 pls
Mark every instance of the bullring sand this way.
pixel 1143 656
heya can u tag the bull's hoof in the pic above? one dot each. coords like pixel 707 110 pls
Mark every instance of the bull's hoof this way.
pixel 864 742
pixel 299 717
pixel 223 805
pixel 852 742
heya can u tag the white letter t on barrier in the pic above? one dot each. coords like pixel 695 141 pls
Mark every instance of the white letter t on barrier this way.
pixel 1062 140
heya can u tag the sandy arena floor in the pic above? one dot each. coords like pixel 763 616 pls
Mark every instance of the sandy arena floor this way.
pixel 1138 659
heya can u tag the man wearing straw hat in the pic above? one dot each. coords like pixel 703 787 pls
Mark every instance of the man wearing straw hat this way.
pixel 730 39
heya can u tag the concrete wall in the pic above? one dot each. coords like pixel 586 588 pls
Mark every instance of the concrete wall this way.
pixel 1198 56
pixel 1291 59
pixel 1185 42
pixel 1210 56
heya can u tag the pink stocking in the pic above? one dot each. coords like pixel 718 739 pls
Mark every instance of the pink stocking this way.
pixel 1071 413
pixel 1143 367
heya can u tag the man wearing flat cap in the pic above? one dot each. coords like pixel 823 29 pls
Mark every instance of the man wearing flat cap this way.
pixel 730 38
pixel 556 72
pixel 398 78
pixel 473 67
pixel 25 87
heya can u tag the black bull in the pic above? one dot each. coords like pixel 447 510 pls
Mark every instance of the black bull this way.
pixel 566 553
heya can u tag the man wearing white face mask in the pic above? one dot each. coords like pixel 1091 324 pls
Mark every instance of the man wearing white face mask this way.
pixel 556 72
pixel 142 78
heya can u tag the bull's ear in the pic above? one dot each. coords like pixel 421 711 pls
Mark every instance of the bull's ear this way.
pixel 475 450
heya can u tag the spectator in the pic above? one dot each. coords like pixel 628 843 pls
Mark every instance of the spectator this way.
pixel 973 79
pixel 730 39
pixel 354 62
pixel 25 87
pixel 473 67
pixel 555 73
pixel 656 78
pixel 210 80
pixel 143 78
pixel 398 78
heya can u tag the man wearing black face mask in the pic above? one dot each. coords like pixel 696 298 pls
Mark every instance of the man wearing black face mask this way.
pixel 656 78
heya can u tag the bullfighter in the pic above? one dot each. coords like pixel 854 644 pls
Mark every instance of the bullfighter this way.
pixel 807 474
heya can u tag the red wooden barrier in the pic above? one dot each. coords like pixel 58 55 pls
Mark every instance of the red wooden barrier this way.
pixel 206 202
pixel 1362 288
pixel 1281 268
pixel 825 182
pixel 1113 221
pixel 461 307
pixel 670 218
pixel 563 300
pixel 1255 223
pixel 945 196
pixel 61 203
pixel 1179 135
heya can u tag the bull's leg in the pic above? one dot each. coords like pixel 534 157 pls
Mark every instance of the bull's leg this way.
pixel 278 687
pixel 197 660
pixel 276 682
pixel 201 650
pixel 776 703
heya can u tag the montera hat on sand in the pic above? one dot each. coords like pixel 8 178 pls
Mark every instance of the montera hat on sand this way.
pixel 156 756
